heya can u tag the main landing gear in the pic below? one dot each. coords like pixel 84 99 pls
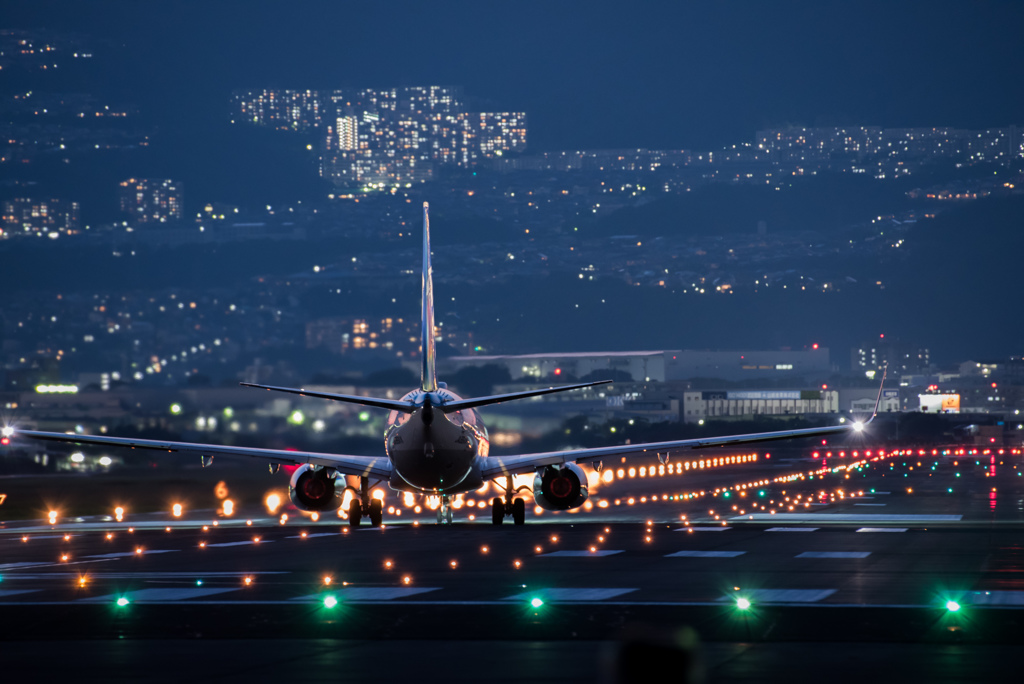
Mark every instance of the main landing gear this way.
pixel 510 505
pixel 364 505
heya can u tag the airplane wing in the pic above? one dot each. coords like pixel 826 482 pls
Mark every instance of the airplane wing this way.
pixel 498 466
pixel 368 466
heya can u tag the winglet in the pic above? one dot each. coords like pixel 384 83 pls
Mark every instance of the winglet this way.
pixel 878 400
pixel 429 376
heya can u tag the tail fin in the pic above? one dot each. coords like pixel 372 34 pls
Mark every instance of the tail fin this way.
pixel 429 375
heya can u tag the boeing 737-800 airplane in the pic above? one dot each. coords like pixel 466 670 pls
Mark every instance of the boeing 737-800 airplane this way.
pixel 435 444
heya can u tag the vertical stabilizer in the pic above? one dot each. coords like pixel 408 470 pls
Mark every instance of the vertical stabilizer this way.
pixel 427 319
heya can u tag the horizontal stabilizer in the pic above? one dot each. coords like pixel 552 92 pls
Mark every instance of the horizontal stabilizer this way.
pixel 452 406
pixel 391 404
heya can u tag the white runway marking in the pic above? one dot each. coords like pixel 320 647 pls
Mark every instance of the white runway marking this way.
pixel 13 592
pixel 705 554
pixel 12 566
pixel 580 554
pixel 703 529
pixel 63 576
pixel 571 594
pixel 995 598
pixel 242 543
pixel 839 517
pixel 882 529
pixel 127 554
pixel 833 554
pixel 791 529
pixel 161 594
pixel 310 536
pixel 368 593
pixel 782 595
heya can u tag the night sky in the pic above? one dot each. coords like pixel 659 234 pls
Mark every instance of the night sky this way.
pixel 589 74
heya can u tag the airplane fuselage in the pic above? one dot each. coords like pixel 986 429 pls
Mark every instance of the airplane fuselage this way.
pixel 434 452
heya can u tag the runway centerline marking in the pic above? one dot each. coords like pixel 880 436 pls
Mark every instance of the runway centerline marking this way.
pixel 557 594
pixel 161 594
pixel 882 529
pixel 368 593
pixel 14 592
pixel 833 554
pixel 705 554
pixel 242 543
pixel 995 598
pixel 128 554
pixel 845 517
pixel 782 595
pixel 869 504
pixel 580 554
pixel 723 528
pixel 791 529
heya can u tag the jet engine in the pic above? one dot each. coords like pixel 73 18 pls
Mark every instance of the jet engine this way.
pixel 313 489
pixel 559 488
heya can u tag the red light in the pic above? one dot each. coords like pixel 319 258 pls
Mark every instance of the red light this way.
pixel 814 346
pixel 882 335
pixel 5 441
pixel 994 385
pixel 558 371
pixel 824 387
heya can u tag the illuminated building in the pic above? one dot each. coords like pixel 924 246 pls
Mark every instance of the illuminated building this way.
pixel 23 216
pixel 151 200
pixel 378 139
pixel 289 110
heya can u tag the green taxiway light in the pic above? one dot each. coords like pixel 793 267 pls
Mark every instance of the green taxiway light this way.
pixel 122 602
pixel 330 602
pixel 952 606
pixel 536 602
pixel 742 603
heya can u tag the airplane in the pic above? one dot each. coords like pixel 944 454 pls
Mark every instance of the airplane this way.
pixel 436 444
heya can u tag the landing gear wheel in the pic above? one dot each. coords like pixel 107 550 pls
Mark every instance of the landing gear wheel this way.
pixel 440 514
pixel 519 512
pixel 376 513
pixel 448 515
pixel 497 510
pixel 355 514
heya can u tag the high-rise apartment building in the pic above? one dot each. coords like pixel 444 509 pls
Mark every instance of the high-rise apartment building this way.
pixel 24 216
pixel 151 200
pixel 383 138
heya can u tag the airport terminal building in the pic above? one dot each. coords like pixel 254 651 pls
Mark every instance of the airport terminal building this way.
pixel 806 365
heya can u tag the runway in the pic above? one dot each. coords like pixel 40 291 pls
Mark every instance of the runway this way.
pixel 857 568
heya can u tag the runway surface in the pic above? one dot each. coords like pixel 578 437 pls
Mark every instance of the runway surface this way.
pixel 872 561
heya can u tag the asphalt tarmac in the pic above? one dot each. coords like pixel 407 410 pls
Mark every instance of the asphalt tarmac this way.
pixel 908 567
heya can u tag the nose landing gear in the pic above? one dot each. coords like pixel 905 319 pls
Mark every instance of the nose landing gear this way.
pixel 444 511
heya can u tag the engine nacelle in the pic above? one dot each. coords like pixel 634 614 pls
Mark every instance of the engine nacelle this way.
pixel 559 488
pixel 313 489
